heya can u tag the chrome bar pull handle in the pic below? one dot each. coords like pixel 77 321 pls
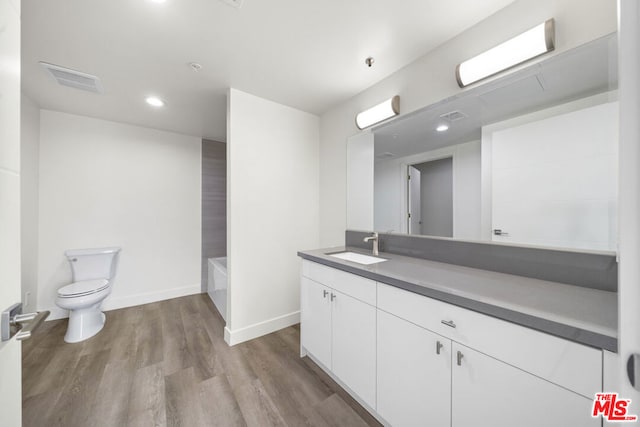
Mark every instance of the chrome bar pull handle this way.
pixel 633 370
pixel 15 323
pixel 459 357
pixel 30 323
pixel 333 296
pixel 325 293
pixel 449 323
pixel 439 346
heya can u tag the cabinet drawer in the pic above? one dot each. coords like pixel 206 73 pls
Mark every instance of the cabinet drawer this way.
pixel 565 363
pixel 355 286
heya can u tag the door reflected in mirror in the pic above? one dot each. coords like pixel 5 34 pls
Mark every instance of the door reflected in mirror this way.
pixel 430 204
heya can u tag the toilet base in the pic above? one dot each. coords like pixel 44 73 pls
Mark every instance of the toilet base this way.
pixel 84 323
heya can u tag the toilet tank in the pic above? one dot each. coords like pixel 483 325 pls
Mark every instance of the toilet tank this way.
pixel 91 264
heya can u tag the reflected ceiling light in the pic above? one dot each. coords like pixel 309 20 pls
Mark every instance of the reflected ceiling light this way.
pixel 382 111
pixel 526 46
pixel 443 127
pixel 155 101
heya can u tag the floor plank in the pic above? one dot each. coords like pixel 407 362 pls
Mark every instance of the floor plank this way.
pixel 149 339
pixel 111 406
pixel 257 407
pixel 41 408
pixel 166 364
pixel 77 399
pixel 336 413
pixel 182 399
pixel 176 354
pixel 147 400
pixel 219 403
pixel 205 361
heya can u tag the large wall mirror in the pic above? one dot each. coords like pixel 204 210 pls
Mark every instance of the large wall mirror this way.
pixel 529 158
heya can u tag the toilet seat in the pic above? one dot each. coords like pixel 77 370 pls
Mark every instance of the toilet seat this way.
pixel 83 288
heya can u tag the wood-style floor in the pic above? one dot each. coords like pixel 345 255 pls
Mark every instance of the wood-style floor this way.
pixel 166 364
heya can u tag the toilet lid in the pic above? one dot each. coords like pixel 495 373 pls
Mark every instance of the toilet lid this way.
pixel 84 287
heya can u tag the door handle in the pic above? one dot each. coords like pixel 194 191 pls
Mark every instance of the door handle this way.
pixel 439 346
pixel 459 357
pixel 499 232
pixel 325 293
pixel 333 296
pixel 633 370
pixel 15 323
pixel 30 322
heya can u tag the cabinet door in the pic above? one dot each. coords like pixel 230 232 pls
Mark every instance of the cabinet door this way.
pixel 488 392
pixel 414 374
pixel 316 320
pixel 353 345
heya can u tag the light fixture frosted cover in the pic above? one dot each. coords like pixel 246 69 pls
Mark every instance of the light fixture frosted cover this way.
pixel 528 45
pixel 382 111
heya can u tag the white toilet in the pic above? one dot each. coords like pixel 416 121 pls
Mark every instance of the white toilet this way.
pixel 93 272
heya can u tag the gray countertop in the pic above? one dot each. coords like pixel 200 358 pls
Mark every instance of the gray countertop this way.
pixel 584 315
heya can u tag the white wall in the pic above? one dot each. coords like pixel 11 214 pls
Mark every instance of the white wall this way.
pixel 431 78
pixel 272 211
pixel 29 164
pixel 391 192
pixel 109 184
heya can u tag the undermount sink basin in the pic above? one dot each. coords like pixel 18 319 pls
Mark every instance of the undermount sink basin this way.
pixel 356 257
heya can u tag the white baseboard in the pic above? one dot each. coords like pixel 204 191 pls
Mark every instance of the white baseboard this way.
pixel 132 300
pixel 259 329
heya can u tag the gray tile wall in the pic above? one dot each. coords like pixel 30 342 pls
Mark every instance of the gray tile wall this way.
pixel 214 203
pixel 596 271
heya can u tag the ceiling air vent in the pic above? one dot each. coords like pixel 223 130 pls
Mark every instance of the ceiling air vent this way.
pixel 72 78
pixel 385 155
pixel 453 116
pixel 234 3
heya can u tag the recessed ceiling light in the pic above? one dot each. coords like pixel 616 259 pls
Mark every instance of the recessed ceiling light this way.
pixel 155 101
pixel 442 127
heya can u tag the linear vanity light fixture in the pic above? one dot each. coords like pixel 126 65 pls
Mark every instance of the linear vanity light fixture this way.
pixel 382 111
pixel 535 42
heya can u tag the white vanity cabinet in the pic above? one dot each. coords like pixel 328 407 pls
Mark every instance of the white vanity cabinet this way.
pixel 338 327
pixel 501 374
pixel 488 392
pixel 316 320
pixel 416 361
pixel 414 374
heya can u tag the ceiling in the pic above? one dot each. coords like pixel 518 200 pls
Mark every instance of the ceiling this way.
pixel 586 70
pixel 305 54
